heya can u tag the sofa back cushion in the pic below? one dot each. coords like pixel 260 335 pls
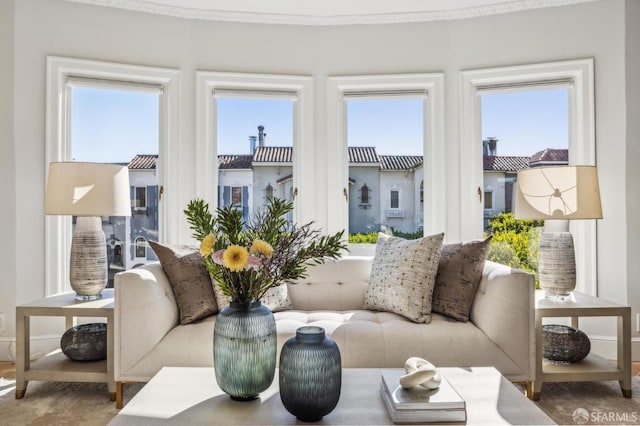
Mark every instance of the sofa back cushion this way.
pixel 337 285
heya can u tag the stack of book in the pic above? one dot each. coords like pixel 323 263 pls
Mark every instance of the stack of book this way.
pixel 419 405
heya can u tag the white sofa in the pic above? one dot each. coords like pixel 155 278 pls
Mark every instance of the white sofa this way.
pixel 500 332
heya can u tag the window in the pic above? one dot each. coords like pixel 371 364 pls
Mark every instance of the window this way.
pixel 572 85
pixel 76 132
pixel 364 194
pixel 140 201
pixel 111 123
pixel 236 196
pixel 376 157
pixel 488 199
pixel 394 197
pixel 267 126
pixel 141 247
pixel 268 192
pixel 384 153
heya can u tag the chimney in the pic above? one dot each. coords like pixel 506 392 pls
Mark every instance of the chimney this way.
pixel 490 146
pixel 261 135
pixel 252 143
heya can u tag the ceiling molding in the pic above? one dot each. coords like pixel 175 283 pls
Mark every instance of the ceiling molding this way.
pixel 491 7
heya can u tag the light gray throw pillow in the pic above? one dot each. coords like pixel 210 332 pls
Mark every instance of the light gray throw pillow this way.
pixel 403 276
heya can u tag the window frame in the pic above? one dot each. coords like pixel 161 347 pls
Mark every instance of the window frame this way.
pixel 232 197
pixel 299 89
pixel 429 86
pixel 136 207
pixel 575 75
pixel 365 194
pixel 61 73
pixel 140 242
pixel 397 191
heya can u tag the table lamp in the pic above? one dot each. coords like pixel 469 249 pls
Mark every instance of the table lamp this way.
pixel 88 191
pixel 556 195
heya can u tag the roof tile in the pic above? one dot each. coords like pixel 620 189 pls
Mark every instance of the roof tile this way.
pixel 234 161
pixel 143 162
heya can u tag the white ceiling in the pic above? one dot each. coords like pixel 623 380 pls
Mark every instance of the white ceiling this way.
pixel 328 12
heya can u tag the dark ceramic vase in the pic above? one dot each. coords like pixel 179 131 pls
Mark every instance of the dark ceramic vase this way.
pixel 244 349
pixel 85 342
pixel 310 374
pixel 561 343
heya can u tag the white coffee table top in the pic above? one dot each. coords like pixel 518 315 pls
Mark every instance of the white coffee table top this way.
pixel 187 395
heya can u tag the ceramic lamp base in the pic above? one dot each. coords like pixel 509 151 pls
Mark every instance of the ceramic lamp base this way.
pixel 557 264
pixel 88 267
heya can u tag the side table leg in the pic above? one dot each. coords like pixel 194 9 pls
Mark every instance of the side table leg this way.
pixel 23 351
pixel 624 352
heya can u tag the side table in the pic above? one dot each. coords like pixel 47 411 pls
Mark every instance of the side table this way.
pixel 56 366
pixel 593 367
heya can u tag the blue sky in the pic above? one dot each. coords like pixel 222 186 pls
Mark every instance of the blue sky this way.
pixel 114 126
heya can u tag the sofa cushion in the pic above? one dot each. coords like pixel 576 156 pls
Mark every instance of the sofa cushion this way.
pixel 276 298
pixel 459 273
pixel 189 281
pixel 403 275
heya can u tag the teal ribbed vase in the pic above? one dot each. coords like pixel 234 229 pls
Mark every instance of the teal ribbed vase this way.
pixel 244 349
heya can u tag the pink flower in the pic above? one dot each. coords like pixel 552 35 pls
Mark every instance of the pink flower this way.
pixel 217 257
pixel 254 263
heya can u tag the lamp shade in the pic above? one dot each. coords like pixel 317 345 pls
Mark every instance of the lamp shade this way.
pixel 558 192
pixel 87 189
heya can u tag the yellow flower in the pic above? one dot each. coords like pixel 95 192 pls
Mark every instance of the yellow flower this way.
pixel 235 258
pixel 206 246
pixel 262 247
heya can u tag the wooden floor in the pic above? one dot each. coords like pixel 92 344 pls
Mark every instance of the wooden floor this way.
pixel 8 369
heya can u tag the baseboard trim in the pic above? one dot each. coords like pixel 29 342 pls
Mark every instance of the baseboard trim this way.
pixel 607 346
pixel 40 346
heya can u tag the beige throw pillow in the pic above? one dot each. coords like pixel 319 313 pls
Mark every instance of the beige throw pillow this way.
pixel 189 280
pixel 403 276
pixel 459 274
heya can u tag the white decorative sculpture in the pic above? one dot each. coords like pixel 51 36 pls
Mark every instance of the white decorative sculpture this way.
pixel 420 372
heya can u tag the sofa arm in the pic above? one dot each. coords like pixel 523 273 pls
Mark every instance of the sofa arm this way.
pixel 504 309
pixel 145 310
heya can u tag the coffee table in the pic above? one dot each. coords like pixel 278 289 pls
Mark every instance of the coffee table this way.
pixel 189 395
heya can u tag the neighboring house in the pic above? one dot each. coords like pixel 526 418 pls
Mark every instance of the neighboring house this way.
pixel 272 175
pixel 365 200
pixel 143 223
pixel 500 173
pixel 384 191
pixel 401 178
pixel 235 183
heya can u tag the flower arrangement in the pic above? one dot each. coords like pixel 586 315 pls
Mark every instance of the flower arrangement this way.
pixel 248 258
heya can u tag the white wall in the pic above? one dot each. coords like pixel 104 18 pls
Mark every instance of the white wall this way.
pixel 55 27
pixel 7 178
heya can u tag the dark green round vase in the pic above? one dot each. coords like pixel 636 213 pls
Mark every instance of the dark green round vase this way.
pixel 244 349
pixel 310 374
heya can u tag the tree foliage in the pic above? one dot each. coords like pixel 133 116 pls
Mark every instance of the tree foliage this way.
pixel 515 242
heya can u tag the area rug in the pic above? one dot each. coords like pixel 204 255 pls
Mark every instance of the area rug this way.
pixel 61 403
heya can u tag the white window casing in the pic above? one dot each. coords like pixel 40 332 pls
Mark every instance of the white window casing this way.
pixel 62 74
pixel 429 87
pixel 575 75
pixel 298 89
